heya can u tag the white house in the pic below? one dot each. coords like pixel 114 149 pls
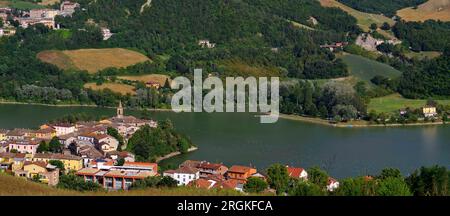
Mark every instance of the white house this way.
pixel 332 185
pixel 183 175
pixel 63 129
pixel 297 173
pixel 107 143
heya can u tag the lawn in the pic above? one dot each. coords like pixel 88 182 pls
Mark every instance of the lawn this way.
pixel 432 9
pixel 364 19
pixel 115 87
pixel 92 60
pixel 22 5
pixel 365 69
pixel 394 102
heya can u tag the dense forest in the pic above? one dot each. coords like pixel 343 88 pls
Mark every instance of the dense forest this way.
pixel 424 36
pixel 386 7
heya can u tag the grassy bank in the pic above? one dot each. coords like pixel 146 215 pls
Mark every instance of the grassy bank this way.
pixel 14 186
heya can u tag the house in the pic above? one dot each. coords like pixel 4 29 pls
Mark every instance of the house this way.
pixel 71 162
pixel 230 184
pixel 67 8
pixel 63 128
pixel 402 112
pixel 23 146
pixel 106 143
pixel 429 111
pixel 46 173
pixel 206 44
pixel 43 13
pixel 3 146
pixel 207 169
pixel 153 84
pixel 183 175
pixel 297 173
pixel 106 33
pixel 67 139
pixel 368 42
pixel 240 173
pixel 12 161
pixel 313 21
pixel 332 184
pixel 116 155
pixel 88 153
pixel 46 133
pixel 202 183
pixel 17 134
pixel 334 46
pixel 3 133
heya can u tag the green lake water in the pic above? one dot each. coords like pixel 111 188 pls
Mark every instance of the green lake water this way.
pixel 241 139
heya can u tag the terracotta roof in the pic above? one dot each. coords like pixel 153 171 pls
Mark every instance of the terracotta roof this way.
pixel 202 183
pixel 228 184
pixel 239 169
pixel 294 172
pixel 184 170
pixel 57 156
pixel 141 164
pixel 12 155
pixel 331 180
pixel 207 165
pixel 37 163
pixel 191 163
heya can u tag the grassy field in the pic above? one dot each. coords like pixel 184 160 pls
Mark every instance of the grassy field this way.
pixel 432 9
pixel 240 68
pixel 115 87
pixel 394 102
pixel 423 54
pixel 92 60
pixel 14 186
pixel 159 78
pixel 364 19
pixel 49 2
pixel 23 5
pixel 365 69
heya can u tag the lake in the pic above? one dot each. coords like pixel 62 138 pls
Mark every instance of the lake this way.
pixel 241 139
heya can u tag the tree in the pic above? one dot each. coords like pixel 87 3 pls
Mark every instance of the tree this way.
pixel 255 185
pixel 302 188
pixel 373 26
pixel 278 178
pixel 360 186
pixel 385 26
pixel 392 186
pixel 429 181
pixel 73 182
pixel 59 164
pixel 43 147
pixel 167 181
pixel 55 146
pixel 390 173
pixel 318 176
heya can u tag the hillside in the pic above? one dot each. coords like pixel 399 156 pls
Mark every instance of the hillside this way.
pixel 14 186
pixel 386 7
pixel 365 69
pixel 92 60
pixel 364 19
pixel 393 103
pixel 432 9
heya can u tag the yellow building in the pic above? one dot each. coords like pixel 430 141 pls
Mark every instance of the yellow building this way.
pixel 46 133
pixel 48 174
pixel 71 162
pixel 3 134
pixel 13 161
pixel 429 111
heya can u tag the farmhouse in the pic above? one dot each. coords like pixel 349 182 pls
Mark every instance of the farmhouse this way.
pixel 43 171
pixel 67 8
pixel 240 173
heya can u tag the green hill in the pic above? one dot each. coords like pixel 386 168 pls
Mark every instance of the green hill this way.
pixel 365 69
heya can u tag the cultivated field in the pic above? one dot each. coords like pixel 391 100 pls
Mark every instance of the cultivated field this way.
pixel 159 78
pixel 115 87
pixel 364 19
pixel 423 54
pixel 432 9
pixel 394 102
pixel 49 2
pixel 92 60
pixel 365 69
pixel 14 186
pixel 23 5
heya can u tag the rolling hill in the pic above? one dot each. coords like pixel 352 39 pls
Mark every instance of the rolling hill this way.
pixel 92 60
pixel 365 69
pixel 364 19
pixel 432 9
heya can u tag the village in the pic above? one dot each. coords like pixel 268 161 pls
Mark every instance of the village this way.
pixel 91 153
pixel 14 18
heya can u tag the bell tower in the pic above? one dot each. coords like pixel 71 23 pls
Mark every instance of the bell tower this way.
pixel 120 110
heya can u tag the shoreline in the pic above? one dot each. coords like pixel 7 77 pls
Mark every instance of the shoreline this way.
pixel 357 124
pixel 311 120
pixel 173 154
